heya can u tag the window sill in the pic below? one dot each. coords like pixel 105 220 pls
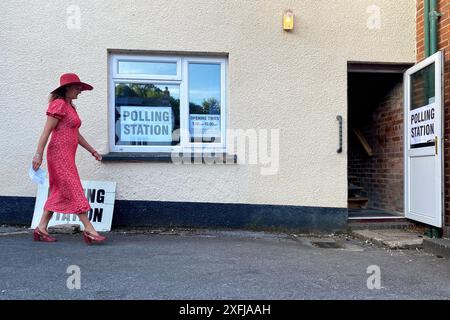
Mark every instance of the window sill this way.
pixel 193 158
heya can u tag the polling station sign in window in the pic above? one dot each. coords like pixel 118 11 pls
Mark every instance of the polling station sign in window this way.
pixel 146 124
pixel 422 125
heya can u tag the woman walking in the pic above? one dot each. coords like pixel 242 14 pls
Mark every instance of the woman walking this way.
pixel 66 192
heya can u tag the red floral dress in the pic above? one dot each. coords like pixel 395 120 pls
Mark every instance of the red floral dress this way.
pixel 66 192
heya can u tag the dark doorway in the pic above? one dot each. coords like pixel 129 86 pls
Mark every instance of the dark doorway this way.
pixel 375 141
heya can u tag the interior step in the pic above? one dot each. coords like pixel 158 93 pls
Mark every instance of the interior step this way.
pixel 357 202
pixel 354 187
pixel 358 199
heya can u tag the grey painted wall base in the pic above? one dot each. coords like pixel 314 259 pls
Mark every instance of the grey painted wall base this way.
pixel 19 210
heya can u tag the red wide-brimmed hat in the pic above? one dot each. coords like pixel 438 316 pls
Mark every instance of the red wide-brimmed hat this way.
pixel 72 78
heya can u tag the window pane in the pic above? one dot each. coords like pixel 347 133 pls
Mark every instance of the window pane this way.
pixel 422 87
pixel 421 112
pixel 204 102
pixel 147 67
pixel 147 114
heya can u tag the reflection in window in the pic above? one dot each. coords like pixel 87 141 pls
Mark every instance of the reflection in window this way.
pixel 422 87
pixel 204 102
pixel 422 94
pixel 147 114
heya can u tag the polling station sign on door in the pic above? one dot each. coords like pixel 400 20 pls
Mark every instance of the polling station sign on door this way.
pixel 422 125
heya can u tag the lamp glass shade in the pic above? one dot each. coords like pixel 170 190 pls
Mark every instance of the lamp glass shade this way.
pixel 288 20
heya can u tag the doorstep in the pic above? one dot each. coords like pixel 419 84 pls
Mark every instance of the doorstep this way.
pixel 391 238
pixel 439 247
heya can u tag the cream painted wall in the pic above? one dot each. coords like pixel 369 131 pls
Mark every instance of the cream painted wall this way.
pixel 292 81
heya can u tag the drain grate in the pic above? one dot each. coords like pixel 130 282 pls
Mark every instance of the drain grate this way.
pixel 326 244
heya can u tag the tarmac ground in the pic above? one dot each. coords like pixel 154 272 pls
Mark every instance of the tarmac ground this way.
pixel 183 264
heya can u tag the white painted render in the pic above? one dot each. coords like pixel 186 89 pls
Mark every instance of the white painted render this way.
pixel 292 81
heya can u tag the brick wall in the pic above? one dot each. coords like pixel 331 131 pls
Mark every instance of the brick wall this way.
pixel 376 107
pixel 443 44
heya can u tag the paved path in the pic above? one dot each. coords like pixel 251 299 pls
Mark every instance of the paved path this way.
pixel 203 264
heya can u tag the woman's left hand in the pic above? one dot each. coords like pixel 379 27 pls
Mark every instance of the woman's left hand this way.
pixel 97 155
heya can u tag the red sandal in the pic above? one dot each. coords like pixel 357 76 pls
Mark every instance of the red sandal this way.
pixel 90 238
pixel 38 235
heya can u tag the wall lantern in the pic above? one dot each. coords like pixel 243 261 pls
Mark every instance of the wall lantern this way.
pixel 288 20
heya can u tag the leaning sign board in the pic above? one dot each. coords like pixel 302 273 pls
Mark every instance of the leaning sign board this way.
pixel 422 124
pixel 101 196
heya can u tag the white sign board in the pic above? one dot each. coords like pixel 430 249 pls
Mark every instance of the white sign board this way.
pixel 146 124
pixel 204 125
pixel 422 124
pixel 101 196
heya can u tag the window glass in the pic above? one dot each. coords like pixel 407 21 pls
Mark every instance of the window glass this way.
pixel 204 102
pixel 147 114
pixel 422 87
pixel 147 67
pixel 421 112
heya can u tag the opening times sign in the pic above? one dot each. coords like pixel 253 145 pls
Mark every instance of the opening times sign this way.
pixel 204 125
pixel 146 124
pixel 422 123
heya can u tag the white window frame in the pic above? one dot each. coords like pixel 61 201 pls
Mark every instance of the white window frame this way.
pixel 181 79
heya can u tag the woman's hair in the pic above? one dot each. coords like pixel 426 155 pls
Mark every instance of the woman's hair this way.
pixel 58 94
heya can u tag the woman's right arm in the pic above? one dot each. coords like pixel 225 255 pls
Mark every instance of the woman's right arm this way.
pixel 49 126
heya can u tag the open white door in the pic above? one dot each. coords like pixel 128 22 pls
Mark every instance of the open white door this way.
pixel 423 141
